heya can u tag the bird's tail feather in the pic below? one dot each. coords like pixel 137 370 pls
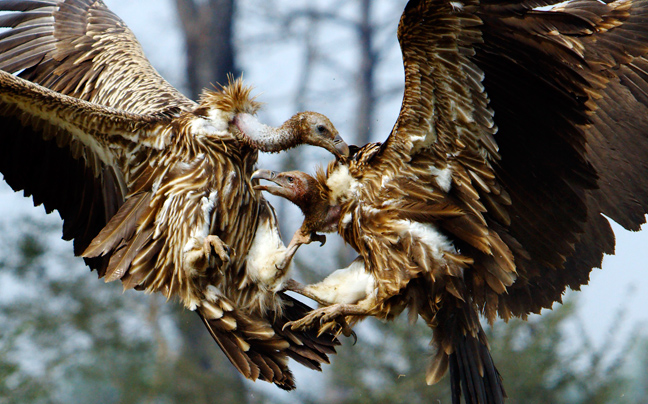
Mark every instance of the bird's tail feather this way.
pixel 462 346
pixel 258 347
pixel 252 346
pixel 472 371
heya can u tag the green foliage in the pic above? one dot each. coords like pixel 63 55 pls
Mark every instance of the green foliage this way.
pixel 541 362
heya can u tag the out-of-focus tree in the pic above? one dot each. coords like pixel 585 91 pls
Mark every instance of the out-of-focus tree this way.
pixel 542 362
pixel 67 337
pixel 207 26
pixel 537 359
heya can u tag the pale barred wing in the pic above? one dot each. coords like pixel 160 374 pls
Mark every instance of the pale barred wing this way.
pixel 82 49
pixel 68 153
pixel 444 105
pixel 568 90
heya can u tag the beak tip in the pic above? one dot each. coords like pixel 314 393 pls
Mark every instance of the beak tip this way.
pixel 341 148
pixel 263 175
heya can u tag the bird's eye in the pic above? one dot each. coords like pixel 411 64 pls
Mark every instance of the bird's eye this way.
pixel 290 179
pixel 321 129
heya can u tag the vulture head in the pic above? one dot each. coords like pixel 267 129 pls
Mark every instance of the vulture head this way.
pixel 305 191
pixel 303 128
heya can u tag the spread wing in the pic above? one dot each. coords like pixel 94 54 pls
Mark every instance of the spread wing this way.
pixel 63 152
pixel 52 146
pixel 533 124
pixel 43 129
pixel 82 49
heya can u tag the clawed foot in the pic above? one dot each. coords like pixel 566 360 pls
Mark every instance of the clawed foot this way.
pixel 325 318
pixel 315 318
pixel 215 246
pixel 337 326
pixel 317 237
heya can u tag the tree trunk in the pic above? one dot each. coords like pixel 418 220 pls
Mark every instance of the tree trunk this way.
pixel 208 31
pixel 366 88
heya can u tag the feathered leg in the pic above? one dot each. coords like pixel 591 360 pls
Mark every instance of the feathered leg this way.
pixel 297 240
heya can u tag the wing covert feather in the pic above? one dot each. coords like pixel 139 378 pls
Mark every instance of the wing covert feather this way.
pixel 444 105
pixel 68 153
pixel 82 49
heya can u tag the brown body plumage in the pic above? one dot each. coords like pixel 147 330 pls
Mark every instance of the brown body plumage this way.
pixel 488 197
pixel 154 189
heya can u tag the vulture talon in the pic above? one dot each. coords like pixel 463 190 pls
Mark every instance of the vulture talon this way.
pixel 215 246
pixel 318 237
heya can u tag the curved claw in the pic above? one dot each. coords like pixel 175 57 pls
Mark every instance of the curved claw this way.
pixel 214 246
pixel 318 237
pixel 355 337
pixel 346 329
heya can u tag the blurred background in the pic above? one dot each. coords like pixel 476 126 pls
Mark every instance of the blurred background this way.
pixel 67 338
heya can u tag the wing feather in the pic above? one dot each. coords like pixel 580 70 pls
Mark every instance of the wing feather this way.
pixel 565 145
pixel 444 100
pixel 572 141
pixel 80 48
pixel 67 153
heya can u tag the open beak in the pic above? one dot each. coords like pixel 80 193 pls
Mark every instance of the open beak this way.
pixel 264 175
pixel 340 146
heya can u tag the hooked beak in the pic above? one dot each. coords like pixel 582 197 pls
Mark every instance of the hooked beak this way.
pixel 340 146
pixel 264 175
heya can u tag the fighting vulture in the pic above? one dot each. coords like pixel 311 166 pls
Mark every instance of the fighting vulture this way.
pixel 520 131
pixel 153 188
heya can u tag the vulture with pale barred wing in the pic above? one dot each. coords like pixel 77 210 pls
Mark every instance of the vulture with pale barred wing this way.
pixel 154 189
pixel 519 130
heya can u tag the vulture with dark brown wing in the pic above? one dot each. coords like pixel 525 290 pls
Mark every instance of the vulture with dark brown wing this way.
pixel 519 130
pixel 154 189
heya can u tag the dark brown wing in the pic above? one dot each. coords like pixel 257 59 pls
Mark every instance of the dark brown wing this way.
pixel 568 89
pixel 42 129
pixel 539 119
pixel 80 48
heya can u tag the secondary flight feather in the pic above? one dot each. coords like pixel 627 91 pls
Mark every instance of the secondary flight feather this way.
pixel 519 130
pixel 153 188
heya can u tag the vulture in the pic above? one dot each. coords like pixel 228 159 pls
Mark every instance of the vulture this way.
pixel 154 189
pixel 521 131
